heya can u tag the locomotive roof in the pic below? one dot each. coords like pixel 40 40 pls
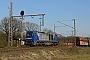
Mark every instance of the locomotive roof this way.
pixel 30 31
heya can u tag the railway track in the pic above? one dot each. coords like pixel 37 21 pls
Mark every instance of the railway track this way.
pixel 4 50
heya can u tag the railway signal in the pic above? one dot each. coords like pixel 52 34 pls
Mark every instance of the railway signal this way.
pixel 22 13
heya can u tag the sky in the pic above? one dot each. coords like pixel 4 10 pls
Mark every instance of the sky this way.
pixel 54 10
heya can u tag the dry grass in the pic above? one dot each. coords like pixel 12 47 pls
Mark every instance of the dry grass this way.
pixel 62 53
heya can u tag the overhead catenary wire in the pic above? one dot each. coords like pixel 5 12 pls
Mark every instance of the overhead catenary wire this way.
pixel 65 24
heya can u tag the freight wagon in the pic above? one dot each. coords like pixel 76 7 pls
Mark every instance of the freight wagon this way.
pixel 69 41
pixel 40 38
pixel 80 41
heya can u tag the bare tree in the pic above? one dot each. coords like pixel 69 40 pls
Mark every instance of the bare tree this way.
pixel 16 26
pixel 31 26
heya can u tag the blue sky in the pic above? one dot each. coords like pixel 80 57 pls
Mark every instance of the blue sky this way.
pixel 55 10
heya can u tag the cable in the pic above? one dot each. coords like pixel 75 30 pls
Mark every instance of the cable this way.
pixel 65 24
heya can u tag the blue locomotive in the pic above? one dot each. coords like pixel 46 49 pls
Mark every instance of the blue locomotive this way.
pixel 40 38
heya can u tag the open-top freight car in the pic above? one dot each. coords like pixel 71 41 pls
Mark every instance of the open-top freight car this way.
pixel 76 41
pixel 80 41
pixel 40 38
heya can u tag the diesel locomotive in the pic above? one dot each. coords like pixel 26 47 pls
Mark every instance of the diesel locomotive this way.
pixel 34 38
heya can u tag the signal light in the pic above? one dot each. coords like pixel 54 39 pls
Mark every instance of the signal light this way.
pixel 22 13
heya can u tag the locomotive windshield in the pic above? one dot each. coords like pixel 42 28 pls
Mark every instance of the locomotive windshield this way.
pixel 29 34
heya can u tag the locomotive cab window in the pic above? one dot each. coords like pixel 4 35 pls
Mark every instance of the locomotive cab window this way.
pixel 29 34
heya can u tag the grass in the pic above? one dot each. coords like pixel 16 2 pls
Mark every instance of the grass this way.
pixel 62 53
pixel 3 43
